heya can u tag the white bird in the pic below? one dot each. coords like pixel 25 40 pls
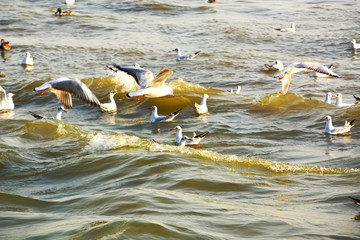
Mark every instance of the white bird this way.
pixel 237 91
pixel 57 114
pixel 291 29
pixel 321 75
pixel 109 106
pixel 339 102
pixel 149 86
pixel 330 129
pixel 28 59
pixel 328 97
pixel 183 141
pixel 354 45
pixel 6 101
pixel 190 141
pixel 277 66
pixel 188 57
pixel 63 88
pixel 202 107
pixel 165 118
pixel 285 74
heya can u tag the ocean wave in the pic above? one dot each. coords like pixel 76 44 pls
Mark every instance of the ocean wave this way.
pixel 104 142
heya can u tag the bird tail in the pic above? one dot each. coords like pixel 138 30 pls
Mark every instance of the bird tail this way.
pixel 37 116
pixel 112 69
pixel 357 201
pixel 357 99
pixel 197 53
pixel 202 135
pixel 352 123
pixel 176 112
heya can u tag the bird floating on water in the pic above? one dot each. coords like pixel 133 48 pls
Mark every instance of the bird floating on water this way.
pixel 202 107
pixel 57 114
pixel 339 102
pixel 109 106
pixel 235 91
pixel 188 57
pixel 285 74
pixel 328 97
pixel 354 45
pixel 60 12
pixel 28 59
pixel 291 29
pixel 189 141
pixel 277 66
pixel 63 88
pixel 330 129
pixel 162 118
pixel 6 101
pixel 149 86
pixel 5 45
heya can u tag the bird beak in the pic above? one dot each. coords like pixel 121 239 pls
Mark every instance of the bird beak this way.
pixel 172 129
pixel 322 119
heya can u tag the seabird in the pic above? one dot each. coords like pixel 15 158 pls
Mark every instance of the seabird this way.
pixel 63 88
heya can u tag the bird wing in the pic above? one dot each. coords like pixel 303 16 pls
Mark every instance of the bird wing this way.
pixel 316 67
pixel 64 97
pixel 63 89
pixel 3 96
pixel 163 74
pixel 142 76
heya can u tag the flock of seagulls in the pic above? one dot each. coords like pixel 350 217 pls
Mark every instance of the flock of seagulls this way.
pixel 153 87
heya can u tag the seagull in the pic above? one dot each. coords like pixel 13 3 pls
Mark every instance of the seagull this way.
pixel 328 97
pixel 187 57
pixel 339 102
pixel 109 106
pixel 6 101
pixel 183 141
pixel 318 75
pixel 354 45
pixel 190 141
pixel 57 115
pixel 63 88
pixel 202 108
pixel 330 129
pixel 356 201
pixel 237 91
pixel 149 86
pixel 291 29
pixel 60 12
pixel 5 45
pixel 277 66
pixel 285 74
pixel 162 118
pixel 28 59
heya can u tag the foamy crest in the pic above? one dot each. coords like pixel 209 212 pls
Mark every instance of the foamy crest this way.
pixel 101 142
pixel 124 83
